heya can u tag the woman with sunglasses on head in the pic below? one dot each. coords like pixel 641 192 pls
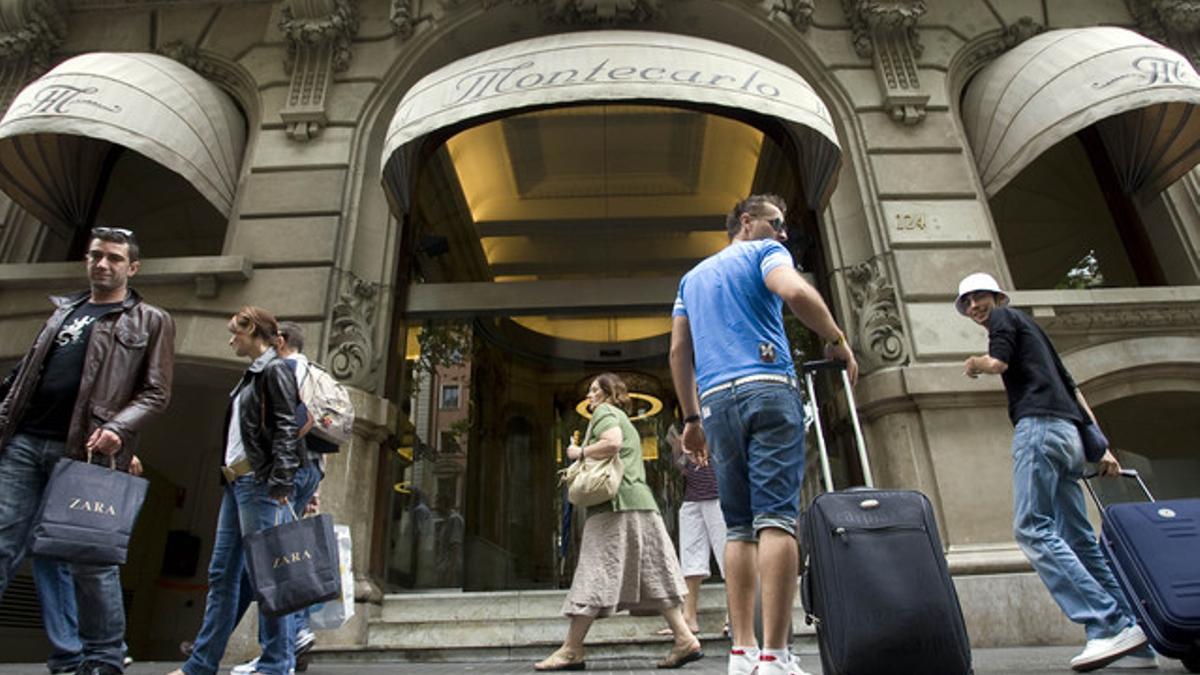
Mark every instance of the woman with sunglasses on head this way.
pixel 626 559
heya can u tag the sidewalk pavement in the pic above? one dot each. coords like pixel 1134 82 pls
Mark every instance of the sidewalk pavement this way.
pixel 1021 660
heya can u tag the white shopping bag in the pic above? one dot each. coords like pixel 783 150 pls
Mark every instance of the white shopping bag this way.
pixel 335 613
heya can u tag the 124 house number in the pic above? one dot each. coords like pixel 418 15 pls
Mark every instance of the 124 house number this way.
pixel 910 221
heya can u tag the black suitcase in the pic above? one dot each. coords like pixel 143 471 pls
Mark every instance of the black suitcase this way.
pixel 1153 549
pixel 876 585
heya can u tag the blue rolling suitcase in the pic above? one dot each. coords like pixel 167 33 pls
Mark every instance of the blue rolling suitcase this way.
pixel 1154 551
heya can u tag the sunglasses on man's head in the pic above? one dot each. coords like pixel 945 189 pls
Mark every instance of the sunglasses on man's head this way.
pixel 104 231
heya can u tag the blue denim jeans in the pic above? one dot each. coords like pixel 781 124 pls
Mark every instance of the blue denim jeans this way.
pixel 1051 526
pixel 56 594
pixel 755 434
pixel 25 466
pixel 245 508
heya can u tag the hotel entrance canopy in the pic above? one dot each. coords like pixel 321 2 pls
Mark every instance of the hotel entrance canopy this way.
pixel 1141 96
pixel 56 138
pixel 613 66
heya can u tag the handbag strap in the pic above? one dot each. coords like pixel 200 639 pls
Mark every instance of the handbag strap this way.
pixel 112 460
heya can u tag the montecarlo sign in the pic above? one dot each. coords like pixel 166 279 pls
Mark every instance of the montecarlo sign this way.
pixel 605 66
pixel 530 74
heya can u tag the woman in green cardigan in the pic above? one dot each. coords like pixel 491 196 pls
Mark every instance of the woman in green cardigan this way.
pixel 626 559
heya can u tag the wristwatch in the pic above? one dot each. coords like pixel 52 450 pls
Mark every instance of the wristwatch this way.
pixel 837 341
pixel 691 418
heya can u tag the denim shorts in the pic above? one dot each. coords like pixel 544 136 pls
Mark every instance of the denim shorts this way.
pixel 755 436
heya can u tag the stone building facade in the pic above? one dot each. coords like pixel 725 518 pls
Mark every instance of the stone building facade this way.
pixel 473 205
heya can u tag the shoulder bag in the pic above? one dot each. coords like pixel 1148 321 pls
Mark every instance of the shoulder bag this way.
pixel 593 481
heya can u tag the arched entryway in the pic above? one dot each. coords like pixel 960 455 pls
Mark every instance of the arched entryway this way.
pixel 551 193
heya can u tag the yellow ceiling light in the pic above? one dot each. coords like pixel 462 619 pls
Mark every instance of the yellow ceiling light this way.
pixel 597 329
pixel 656 407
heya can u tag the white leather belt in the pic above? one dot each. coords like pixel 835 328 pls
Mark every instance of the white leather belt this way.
pixel 781 379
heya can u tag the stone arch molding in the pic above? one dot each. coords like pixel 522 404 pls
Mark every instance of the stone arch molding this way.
pixel 1116 370
pixel 1141 95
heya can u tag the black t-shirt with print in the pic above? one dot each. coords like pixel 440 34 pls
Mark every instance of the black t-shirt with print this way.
pixel 49 412
pixel 1037 383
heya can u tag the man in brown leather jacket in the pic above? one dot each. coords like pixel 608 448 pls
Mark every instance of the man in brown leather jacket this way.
pixel 98 370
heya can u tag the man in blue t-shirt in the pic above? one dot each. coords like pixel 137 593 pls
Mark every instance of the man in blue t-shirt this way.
pixel 733 373
pixel 1049 517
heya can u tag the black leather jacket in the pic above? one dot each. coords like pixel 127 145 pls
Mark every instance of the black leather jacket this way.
pixel 267 399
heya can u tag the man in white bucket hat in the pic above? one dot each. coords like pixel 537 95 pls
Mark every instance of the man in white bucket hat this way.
pixel 1049 516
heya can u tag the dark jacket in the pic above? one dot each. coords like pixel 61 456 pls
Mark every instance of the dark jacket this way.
pixel 267 400
pixel 126 376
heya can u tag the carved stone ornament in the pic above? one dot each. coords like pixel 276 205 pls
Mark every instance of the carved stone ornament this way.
pixel 886 30
pixel 30 30
pixel 318 34
pixel 797 12
pixel 1175 23
pixel 879 333
pixel 604 12
pixel 403 18
pixel 353 357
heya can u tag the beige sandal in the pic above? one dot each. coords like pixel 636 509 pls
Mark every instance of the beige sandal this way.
pixel 681 656
pixel 561 659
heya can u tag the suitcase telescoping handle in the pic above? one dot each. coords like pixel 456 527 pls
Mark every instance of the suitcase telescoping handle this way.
pixel 810 368
pixel 1125 473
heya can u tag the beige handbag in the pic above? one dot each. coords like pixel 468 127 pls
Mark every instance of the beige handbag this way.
pixel 593 481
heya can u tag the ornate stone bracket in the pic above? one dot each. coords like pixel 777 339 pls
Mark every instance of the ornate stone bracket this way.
pixel 1175 23
pixel 887 32
pixel 353 356
pixel 879 333
pixel 30 30
pixel 603 12
pixel 796 12
pixel 318 34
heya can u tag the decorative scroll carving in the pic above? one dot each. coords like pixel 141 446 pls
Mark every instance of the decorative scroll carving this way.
pixel 797 12
pixel 1175 23
pixel 887 32
pixel 591 12
pixel 879 333
pixel 353 357
pixel 30 30
pixel 319 34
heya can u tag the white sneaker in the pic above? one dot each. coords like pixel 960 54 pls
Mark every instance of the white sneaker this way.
pixel 742 662
pixel 305 639
pixel 1103 651
pixel 768 665
pixel 1136 661
pixel 246 668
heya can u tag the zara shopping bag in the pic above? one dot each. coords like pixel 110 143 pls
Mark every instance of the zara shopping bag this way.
pixel 336 612
pixel 87 513
pixel 293 565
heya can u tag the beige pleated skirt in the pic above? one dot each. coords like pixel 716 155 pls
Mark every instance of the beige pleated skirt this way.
pixel 626 562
